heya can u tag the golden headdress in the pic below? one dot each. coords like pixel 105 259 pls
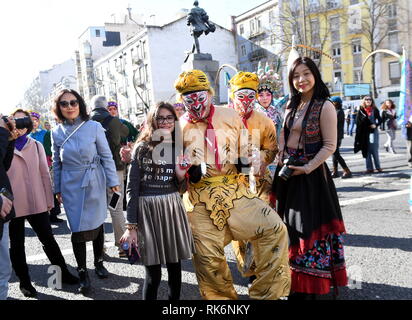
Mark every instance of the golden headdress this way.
pixel 243 80
pixel 193 80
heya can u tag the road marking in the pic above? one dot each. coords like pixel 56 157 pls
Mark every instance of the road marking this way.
pixel 371 198
pixel 65 252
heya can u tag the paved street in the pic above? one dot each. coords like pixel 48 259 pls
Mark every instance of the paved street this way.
pixel 378 244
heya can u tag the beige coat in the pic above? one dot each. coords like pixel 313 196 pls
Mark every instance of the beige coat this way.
pixel 30 180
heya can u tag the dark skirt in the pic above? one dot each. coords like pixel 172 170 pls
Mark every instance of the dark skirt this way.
pixel 310 209
pixel 85 236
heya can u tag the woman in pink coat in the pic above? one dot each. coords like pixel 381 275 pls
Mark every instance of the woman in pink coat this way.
pixel 33 198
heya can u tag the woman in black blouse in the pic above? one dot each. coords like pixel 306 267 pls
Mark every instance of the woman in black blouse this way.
pixel 154 205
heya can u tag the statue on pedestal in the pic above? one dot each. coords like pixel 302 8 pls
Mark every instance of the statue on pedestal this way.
pixel 199 23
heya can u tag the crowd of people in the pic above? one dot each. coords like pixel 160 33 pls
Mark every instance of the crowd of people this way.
pixel 194 178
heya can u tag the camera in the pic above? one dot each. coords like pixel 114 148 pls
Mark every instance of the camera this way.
pixel 285 173
pixel 21 123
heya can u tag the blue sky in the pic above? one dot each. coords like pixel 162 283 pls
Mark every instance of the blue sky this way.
pixel 38 34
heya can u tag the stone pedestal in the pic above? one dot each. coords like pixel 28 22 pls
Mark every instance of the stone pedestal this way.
pixel 205 62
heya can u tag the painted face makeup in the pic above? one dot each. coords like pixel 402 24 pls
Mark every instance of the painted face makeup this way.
pixel 244 101
pixel 265 98
pixel 197 104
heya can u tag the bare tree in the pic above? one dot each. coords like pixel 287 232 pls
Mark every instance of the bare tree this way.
pixel 296 19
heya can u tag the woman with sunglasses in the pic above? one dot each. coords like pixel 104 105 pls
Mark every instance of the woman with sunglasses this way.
pixel 154 205
pixel 83 169
pixel 367 135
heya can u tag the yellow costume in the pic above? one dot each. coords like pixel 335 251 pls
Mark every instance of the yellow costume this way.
pixel 222 208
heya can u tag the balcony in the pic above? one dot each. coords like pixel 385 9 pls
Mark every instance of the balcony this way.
pixel 257 54
pixel 333 5
pixel 256 34
pixel 137 61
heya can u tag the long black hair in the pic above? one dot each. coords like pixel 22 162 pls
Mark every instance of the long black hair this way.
pixel 320 92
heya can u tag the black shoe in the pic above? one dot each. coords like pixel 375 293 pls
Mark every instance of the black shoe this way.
pixel 100 270
pixel 335 174
pixel 55 219
pixel 84 281
pixel 28 290
pixel 68 278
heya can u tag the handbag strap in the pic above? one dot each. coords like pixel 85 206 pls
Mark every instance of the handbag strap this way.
pixel 74 131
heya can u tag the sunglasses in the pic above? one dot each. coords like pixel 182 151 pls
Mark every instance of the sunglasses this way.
pixel 65 104
pixel 368 99
pixel 168 119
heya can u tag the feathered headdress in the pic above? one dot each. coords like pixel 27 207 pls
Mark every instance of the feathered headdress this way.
pixel 269 80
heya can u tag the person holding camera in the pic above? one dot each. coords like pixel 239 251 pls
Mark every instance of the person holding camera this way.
pixel 83 168
pixel 8 134
pixel 367 135
pixel 154 204
pixel 305 193
pixel 29 173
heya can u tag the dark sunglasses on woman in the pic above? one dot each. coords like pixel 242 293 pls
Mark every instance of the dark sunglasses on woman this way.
pixel 65 104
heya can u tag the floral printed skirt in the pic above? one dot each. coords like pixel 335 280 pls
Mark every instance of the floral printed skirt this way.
pixel 319 268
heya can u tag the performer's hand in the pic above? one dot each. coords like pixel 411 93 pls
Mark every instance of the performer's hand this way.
pixel 183 164
pixel 297 170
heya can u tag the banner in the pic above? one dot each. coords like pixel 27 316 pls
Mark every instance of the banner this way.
pixel 405 102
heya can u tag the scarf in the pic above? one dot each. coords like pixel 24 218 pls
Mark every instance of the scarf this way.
pixel 210 135
pixel 369 110
pixel 21 142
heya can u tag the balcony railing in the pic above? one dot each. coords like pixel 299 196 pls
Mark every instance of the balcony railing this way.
pixel 257 54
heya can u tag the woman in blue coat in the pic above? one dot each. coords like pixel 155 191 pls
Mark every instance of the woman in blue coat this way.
pixel 83 167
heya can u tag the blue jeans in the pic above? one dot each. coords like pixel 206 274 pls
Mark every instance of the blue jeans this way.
pixel 5 265
pixel 352 126
pixel 373 151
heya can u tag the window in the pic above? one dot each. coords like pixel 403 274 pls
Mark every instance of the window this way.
pixel 241 29
pixel 393 41
pixel 394 70
pixel 144 52
pixel 271 17
pixel 336 52
pixel 97 33
pixel 315 31
pixel 272 39
pixel 356 47
pixel 243 50
pixel 357 76
pixel 392 10
pixel 258 24
pixel 354 2
pixel 252 26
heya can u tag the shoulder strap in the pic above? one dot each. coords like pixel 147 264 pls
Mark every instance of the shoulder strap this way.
pixel 74 131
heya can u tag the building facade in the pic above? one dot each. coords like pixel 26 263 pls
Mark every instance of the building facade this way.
pixel 257 36
pixel 96 42
pixel 143 70
pixel 40 94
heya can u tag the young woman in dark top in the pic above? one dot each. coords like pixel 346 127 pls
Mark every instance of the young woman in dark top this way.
pixel 154 205
pixel 307 199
